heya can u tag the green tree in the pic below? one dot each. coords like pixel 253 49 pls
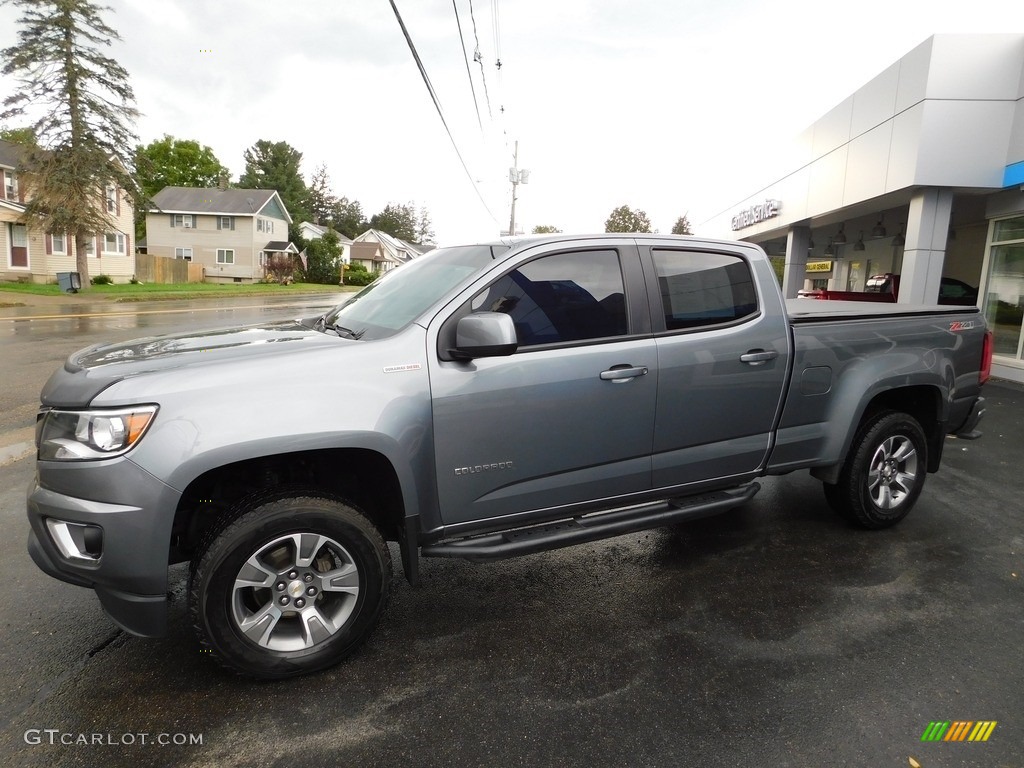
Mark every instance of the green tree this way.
pixel 546 229
pixel 424 227
pixel 171 162
pixel 682 226
pixel 347 218
pixel 25 136
pixel 623 219
pixel 396 220
pixel 85 110
pixel 321 199
pixel 322 255
pixel 278 166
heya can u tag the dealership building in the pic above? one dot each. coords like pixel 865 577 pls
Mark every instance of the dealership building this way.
pixel 919 173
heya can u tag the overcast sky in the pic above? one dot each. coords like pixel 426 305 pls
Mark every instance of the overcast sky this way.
pixel 670 106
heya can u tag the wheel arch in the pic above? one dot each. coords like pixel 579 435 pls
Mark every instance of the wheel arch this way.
pixel 365 477
pixel 924 402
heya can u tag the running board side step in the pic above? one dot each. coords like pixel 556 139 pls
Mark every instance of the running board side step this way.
pixel 590 527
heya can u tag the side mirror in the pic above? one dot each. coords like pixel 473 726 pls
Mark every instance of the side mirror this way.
pixel 484 334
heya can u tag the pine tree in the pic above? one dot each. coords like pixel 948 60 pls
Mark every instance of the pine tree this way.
pixel 83 111
pixel 682 226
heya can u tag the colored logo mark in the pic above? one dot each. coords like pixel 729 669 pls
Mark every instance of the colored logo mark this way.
pixel 959 730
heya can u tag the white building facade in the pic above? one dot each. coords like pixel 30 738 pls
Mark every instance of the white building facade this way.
pixel 919 173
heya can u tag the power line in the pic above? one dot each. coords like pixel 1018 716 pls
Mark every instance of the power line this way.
pixel 478 57
pixel 469 74
pixel 437 106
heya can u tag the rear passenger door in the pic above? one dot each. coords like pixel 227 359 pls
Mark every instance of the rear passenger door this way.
pixel 723 356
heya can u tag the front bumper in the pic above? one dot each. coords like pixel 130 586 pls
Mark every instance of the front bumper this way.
pixel 129 575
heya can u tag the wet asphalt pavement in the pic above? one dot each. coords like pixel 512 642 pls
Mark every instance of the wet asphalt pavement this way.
pixel 773 635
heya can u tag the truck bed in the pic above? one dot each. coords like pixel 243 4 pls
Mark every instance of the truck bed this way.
pixel 810 311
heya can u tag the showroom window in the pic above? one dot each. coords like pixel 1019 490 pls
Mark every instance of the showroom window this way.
pixel 1004 296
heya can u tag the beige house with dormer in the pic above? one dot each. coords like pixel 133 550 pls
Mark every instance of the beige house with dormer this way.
pixel 233 233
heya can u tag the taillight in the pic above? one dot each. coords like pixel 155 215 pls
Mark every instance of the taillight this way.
pixel 986 358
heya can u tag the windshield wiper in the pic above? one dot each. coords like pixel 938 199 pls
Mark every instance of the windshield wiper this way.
pixel 345 333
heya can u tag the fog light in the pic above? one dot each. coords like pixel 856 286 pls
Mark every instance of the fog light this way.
pixel 78 542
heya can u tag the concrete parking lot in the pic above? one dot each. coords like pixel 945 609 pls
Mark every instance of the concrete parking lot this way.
pixel 773 635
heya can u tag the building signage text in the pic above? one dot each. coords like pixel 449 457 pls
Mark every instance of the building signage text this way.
pixel 819 266
pixel 755 214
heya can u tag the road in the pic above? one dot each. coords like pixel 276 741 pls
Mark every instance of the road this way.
pixel 774 635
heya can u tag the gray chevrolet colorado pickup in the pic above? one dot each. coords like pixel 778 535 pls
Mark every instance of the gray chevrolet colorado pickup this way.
pixel 479 402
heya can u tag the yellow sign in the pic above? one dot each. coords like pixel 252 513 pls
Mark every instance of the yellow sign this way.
pixel 819 266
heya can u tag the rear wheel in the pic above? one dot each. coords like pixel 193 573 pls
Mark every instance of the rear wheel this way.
pixel 884 472
pixel 291 586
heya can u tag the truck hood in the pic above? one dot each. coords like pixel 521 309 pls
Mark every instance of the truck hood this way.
pixel 89 371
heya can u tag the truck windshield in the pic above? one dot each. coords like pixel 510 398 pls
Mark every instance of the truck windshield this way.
pixel 401 295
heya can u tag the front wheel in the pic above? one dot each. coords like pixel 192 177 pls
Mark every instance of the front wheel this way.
pixel 884 472
pixel 291 586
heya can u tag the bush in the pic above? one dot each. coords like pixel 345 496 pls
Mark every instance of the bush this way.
pixel 357 274
pixel 102 280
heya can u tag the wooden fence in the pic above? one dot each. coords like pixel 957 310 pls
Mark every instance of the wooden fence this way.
pixel 161 269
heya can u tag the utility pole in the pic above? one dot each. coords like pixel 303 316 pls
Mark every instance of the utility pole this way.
pixel 517 177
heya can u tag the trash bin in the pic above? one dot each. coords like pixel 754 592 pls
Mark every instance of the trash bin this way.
pixel 69 281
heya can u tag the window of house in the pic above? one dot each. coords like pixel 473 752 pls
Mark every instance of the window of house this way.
pixel 186 220
pixel 113 242
pixel 224 222
pixel 59 245
pixel 563 297
pixel 90 246
pixel 183 253
pixel 111 198
pixel 265 225
pixel 10 185
pixel 701 289
pixel 225 256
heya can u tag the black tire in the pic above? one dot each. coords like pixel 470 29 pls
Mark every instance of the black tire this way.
pixel 884 471
pixel 290 586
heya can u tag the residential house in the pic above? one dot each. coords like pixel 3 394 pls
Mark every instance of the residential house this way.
pixel 29 253
pixel 233 233
pixel 312 231
pixel 395 252
pixel 370 255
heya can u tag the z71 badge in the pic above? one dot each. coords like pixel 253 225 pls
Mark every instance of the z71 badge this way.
pixel 958 326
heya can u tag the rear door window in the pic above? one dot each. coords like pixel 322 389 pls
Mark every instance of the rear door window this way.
pixel 703 289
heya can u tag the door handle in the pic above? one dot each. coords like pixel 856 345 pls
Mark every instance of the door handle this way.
pixel 758 356
pixel 621 373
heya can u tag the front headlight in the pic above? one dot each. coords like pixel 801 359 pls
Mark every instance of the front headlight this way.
pixel 85 435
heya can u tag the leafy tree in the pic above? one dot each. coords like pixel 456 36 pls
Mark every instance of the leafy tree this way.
pixel 277 166
pixel 396 220
pixel 682 226
pixel 623 219
pixel 546 229
pixel 347 218
pixel 424 227
pixel 321 199
pixel 322 256
pixel 26 137
pixel 171 162
pixel 85 124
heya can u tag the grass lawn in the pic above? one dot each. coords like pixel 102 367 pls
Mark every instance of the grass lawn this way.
pixel 157 291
